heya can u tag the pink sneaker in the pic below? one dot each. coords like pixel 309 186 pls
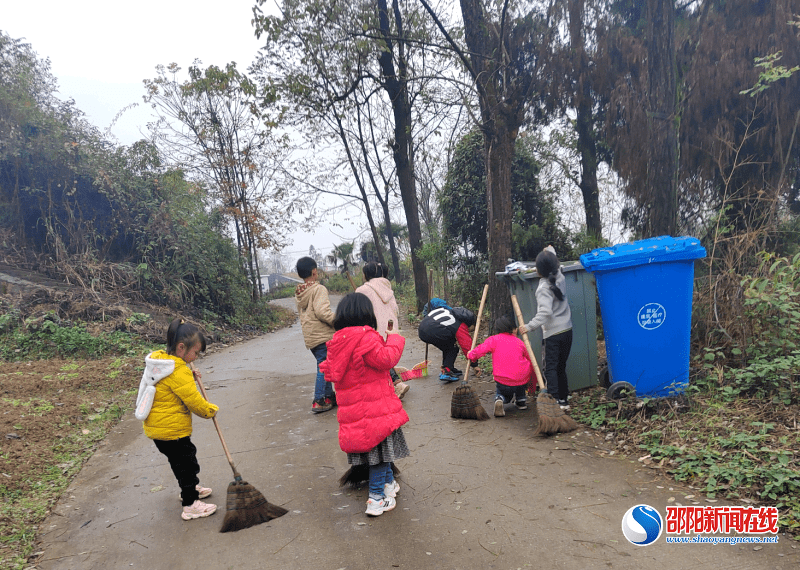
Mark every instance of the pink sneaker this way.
pixel 198 510
pixel 401 388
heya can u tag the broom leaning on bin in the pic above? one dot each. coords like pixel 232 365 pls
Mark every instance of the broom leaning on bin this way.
pixel 552 418
pixel 246 506
pixel 465 403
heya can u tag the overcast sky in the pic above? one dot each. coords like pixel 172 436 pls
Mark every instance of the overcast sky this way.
pixel 100 52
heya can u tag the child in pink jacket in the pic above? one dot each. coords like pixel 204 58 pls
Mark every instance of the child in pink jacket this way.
pixel 378 289
pixel 511 366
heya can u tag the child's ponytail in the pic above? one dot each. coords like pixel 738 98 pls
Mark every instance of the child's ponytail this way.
pixel 547 266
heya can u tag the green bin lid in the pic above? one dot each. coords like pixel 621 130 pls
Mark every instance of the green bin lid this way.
pixel 652 250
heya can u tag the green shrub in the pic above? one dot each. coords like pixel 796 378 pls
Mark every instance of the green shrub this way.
pixel 42 338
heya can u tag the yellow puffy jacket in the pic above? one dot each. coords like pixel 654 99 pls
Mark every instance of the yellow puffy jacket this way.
pixel 176 398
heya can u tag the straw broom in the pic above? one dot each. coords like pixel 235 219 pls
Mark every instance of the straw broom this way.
pixel 552 418
pixel 245 507
pixel 465 403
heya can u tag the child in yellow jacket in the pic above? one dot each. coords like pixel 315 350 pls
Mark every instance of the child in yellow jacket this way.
pixel 167 398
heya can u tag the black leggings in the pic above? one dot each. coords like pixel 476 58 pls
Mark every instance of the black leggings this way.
pixel 556 352
pixel 182 456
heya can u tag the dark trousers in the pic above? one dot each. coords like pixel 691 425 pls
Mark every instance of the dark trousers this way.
pixel 556 352
pixel 182 456
pixel 449 354
pixel 508 393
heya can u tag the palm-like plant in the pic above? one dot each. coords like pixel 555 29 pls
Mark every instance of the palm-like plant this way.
pixel 341 253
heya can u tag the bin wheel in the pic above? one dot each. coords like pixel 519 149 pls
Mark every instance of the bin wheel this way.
pixel 620 391
pixel 604 377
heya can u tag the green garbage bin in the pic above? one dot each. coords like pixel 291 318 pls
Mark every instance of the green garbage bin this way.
pixel 581 294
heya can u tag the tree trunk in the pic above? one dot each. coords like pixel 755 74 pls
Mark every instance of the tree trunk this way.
pixel 587 146
pixel 662 148
pixel 499 157
pixel 500 121
pixel 390 238
pixel 396 87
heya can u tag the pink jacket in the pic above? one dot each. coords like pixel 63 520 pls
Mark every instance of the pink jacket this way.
pixel 379 291
pixel 510 363
pixel 358 364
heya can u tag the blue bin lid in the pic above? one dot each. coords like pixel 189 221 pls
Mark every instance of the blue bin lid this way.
pixel 651 250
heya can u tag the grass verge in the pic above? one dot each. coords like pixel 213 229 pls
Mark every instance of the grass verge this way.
pixel 745 450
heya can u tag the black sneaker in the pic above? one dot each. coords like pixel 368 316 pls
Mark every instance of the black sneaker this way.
pixel 449 375
pixel 321 405
pixel 563 404
pixel 521 404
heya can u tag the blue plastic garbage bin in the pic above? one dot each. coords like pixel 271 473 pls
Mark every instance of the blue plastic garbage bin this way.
pixel 645 293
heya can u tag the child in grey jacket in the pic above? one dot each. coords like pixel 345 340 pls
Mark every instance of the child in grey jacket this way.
pixel 554 316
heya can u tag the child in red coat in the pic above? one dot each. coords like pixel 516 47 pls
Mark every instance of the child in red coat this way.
pixel 369 412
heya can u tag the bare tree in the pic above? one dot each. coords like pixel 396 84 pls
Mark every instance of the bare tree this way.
pixel 501 56
pixel 208 125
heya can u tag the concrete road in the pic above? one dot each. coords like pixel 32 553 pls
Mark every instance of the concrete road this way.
pixel 473 494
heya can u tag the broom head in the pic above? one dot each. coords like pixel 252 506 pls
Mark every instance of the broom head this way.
pixel 247 507
pixel 552 418
pixel 465 405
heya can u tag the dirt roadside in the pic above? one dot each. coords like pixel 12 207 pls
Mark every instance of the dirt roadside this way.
pixel 473 495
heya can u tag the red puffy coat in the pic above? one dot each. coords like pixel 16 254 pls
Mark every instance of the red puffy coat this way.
pixel 368 408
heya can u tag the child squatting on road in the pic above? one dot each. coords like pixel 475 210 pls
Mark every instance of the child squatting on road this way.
pixel 168 396
pixel 511 367
pixel 370 413
pixel 316 320
pixel 554 316
pixel 444 326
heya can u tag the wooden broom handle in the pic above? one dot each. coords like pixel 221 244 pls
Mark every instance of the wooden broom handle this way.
pixel 475 334
pixel 216 425
pixel 430 294
pixel 527 342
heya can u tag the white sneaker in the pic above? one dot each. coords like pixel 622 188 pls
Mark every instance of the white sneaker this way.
pixel 377 508
pixel 499 412
pixel 391 489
